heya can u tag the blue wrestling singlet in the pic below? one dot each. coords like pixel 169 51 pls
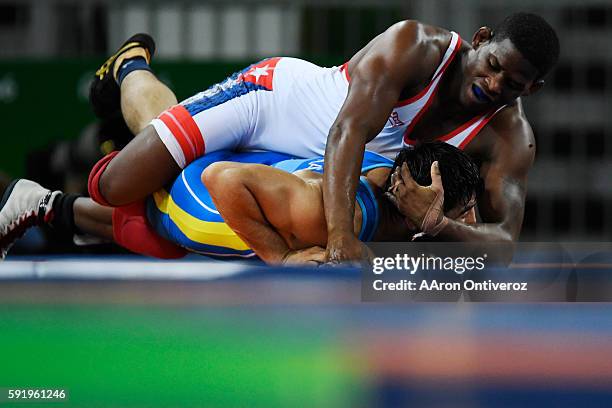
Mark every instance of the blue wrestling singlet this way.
pixel 185 214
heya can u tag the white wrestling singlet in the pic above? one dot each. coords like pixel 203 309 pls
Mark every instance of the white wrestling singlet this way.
pixel 288 105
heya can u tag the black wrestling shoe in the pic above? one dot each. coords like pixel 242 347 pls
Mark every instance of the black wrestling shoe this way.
pixel 24 204
pixel 104 93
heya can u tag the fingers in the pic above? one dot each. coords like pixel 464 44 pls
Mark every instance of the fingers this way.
pixel 436 177
pixel 395 180
pixel 317 254
pixel 332 257
pixel 406 177
pixel 392 198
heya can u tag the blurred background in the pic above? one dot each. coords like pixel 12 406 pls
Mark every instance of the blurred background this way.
pixel 295 338
pixel 49 50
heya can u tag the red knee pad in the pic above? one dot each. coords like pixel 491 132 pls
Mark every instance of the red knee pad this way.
pixel 132 231
pixel 93 183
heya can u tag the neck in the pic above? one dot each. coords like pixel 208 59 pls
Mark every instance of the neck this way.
pixel 452 82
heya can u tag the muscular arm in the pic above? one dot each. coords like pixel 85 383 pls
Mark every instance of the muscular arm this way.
pixel 394 60
pixel 267 208
pixel 502 204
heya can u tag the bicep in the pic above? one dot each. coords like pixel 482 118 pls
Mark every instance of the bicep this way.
pixel 260 203
pixel 378 77
pixel 283 197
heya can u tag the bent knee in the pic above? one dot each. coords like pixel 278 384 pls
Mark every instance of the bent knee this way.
pixel 111 190
pixel 115 188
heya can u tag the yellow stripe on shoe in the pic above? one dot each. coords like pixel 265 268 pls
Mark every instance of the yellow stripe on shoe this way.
pixel 105 68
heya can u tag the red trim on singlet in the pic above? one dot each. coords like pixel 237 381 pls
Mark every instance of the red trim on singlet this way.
pixel 485 119
pixel 433 94
pixel 185 131
pixel 476 130
pixel 192 129
pixel 460 129
pixel 417 117
pixel 418 96
pixel 181 137
pixel 344 68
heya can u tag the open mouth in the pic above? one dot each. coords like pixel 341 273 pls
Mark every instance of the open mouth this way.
pixel 480 95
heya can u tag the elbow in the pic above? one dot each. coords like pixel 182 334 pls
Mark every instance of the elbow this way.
pixel 213 176
pixel 505 246
pixel 222 177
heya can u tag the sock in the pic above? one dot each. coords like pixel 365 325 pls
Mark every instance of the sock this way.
pixel 129 65
pixel 63 214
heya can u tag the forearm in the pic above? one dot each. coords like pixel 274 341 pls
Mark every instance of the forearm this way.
pixel 93 218
pixel 243 215
pixel 485 232
pixel 343 156
pixel 267 244
pixel 495 239
pixel 234 190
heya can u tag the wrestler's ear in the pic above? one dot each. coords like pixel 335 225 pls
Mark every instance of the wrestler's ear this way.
pixel 482 36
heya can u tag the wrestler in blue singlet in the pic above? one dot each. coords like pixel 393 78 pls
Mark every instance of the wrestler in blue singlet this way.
pixel 185 214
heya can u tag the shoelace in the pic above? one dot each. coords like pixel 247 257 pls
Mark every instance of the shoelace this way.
pixel 42 207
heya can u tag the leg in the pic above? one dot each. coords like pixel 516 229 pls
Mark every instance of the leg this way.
pixel 143 98
pixel 138 170
pixel 223 114
pixel 176 138
pixel 93 218
pixel 26 203
pixel 125 82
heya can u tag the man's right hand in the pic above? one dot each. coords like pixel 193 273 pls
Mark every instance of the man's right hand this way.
pixel 344 248
pixel 423 206
pixel 313 256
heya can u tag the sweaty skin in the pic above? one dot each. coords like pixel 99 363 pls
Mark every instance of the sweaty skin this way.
pixel 281 215
pixel 395 65
pixel 400 63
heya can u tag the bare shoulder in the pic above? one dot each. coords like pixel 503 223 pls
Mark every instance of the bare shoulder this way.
pixel 513 137
pixel 422 43
pixel 425 35
pixel 408 47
